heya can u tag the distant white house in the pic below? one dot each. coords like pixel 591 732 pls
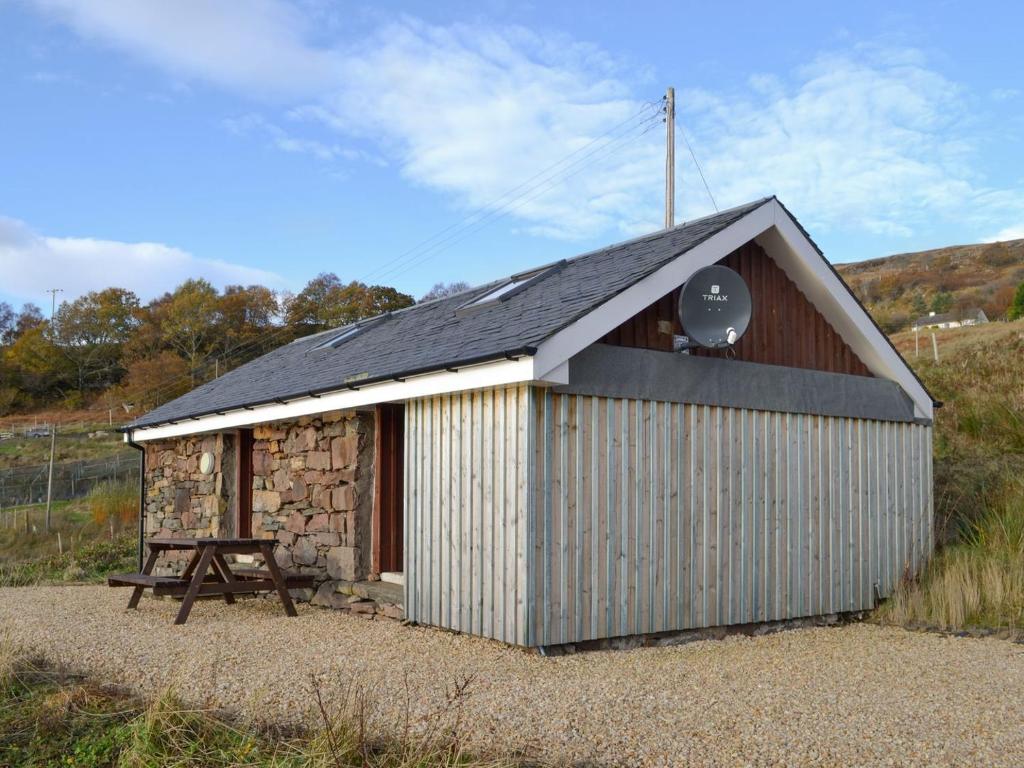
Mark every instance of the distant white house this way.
pixel 950 319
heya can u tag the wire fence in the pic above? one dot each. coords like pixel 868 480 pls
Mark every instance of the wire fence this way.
pixel 71 479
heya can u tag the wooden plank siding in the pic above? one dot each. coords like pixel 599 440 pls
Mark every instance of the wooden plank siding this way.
pixel 699 516
pixel 785 327
pixel 466 497
pixel 539 518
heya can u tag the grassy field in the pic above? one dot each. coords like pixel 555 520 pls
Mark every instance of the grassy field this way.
pixel 977 576
pixel 49 717
pixel 72 445
pixel 87 538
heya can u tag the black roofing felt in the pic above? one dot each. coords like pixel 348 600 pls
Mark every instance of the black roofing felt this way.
pixel 433 336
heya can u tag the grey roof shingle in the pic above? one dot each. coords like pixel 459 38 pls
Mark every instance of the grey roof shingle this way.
pixel 433 335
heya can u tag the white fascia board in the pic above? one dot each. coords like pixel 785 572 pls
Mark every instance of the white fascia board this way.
pixel 799 259
pixel 572 339
pixel 481 376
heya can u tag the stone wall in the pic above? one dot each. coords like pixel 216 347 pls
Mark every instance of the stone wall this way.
pixel 181 500
pixel 312 492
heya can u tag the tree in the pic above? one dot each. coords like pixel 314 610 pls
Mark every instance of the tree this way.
pixel 91 332
pixel 942 302
pixel 442 290
pixel 918 305
pixel 1016 309
pixel 326 302
pixel 150 382
pixel 37 368
pixel 246 315
pixel 188 320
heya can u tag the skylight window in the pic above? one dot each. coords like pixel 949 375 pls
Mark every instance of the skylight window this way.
pixel 496 293
pixel 512 286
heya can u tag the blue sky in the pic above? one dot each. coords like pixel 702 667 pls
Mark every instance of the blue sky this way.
pixel 267 141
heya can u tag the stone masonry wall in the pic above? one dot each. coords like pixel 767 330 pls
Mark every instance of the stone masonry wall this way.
pixel 181 500
pixel 313 492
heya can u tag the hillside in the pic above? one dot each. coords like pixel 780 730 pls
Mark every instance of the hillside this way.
pixel 898 288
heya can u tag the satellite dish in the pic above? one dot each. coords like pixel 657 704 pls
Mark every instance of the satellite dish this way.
pixel 714 307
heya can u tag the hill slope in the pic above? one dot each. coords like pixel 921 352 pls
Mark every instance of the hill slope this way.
pixel 898 288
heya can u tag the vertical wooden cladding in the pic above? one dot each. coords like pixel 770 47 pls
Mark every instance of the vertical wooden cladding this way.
pixel 652 516
pixel 466 511
pixel 388 492
pixel 785 328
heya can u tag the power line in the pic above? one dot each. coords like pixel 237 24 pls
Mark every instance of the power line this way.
pixel 529 195
pixel 530 189
pixel 490 206
pixel 699 170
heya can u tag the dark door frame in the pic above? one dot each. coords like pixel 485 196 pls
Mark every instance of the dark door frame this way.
pixel 388 488
pixel 243 483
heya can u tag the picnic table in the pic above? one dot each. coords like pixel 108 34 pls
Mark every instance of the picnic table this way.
pixel 208 573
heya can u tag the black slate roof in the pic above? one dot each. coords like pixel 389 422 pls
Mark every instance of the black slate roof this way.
pixel 437 335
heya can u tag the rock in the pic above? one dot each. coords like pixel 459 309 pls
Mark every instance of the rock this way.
pixel 318 460
pixel 319 523
pixel 296 523
pixel 298 492
pixel 343 563
pixel 302 595
pixel 266 501
pixel 285 537
pixel 392 611
pixel 261 462
pixel 283 557
pixel 367 606
pixel 304 552
pixel 343 498
pixel 327 597
pixel 344 451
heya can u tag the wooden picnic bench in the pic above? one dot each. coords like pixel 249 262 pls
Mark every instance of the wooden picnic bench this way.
pixel 198 578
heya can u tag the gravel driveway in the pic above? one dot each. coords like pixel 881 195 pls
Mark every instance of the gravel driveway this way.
pixel 843 695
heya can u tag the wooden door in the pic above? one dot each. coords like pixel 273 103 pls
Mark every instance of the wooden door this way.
pixel 388 512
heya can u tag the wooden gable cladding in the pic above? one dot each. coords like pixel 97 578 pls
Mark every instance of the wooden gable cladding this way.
pixel 785 328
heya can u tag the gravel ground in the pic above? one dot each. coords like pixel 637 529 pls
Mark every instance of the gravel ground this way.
pixel 852 695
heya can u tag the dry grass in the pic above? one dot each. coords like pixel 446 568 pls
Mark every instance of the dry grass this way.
pixel 114 500
pixel 977 582
pixel 49 716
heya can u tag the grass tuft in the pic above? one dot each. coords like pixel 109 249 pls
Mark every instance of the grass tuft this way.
pixel 51 717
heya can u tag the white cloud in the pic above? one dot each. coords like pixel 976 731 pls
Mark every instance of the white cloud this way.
pixel 258 46
pixel 31 263
pixel 1009 233
pixel 867 139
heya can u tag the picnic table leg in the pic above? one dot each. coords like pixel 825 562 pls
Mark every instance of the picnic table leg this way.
pixel 222 570
pixel 199 567
pixel 133 601
pixel 279 582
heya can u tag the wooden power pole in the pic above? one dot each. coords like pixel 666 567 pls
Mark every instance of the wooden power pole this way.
pixel 670 158
pixel 49 482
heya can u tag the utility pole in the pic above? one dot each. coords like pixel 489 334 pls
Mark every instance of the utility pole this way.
pixel 670 158
pixel 49 482
pixel 53 300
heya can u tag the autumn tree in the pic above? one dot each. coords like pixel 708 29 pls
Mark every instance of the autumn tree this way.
pixel 246 315
pixel 326 302
pixel 91 332
pixel 189 321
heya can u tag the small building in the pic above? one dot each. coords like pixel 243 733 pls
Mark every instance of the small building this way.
pixel 535 464
pixel 974 316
